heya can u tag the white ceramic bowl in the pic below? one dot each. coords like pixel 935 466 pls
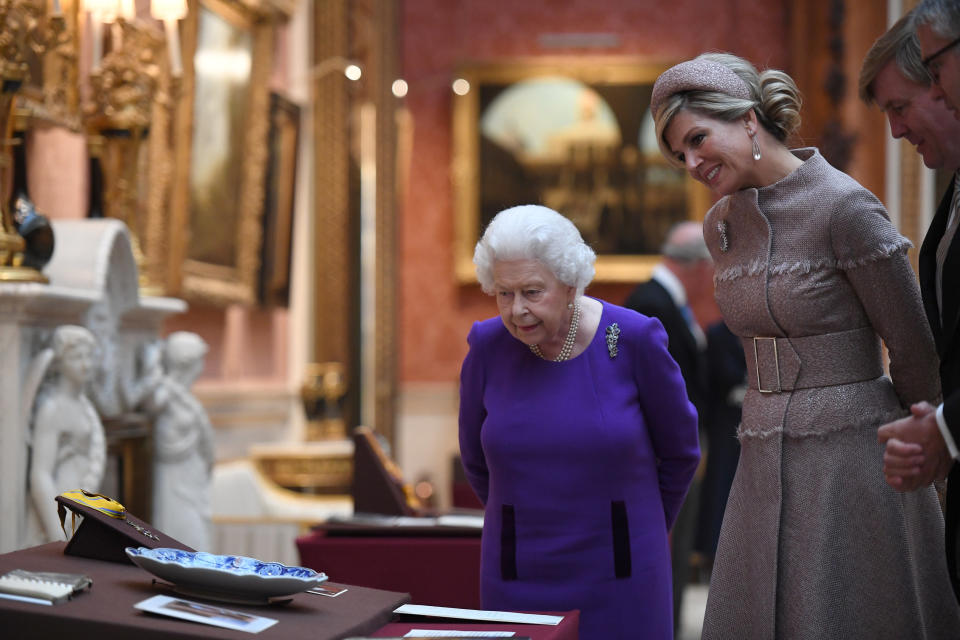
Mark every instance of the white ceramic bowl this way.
pixel 227 578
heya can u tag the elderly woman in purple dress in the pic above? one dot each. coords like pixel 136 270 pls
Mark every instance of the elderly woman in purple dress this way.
pixel 576 434
pixel 811 275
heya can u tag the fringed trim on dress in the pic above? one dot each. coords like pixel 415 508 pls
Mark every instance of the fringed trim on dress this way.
pixel 868 420
pixel 754 268
pixel 800 267
pixel 882 252
pixel 758 267
pixel 758 434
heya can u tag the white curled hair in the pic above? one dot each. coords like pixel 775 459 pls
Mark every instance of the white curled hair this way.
pixel 534 232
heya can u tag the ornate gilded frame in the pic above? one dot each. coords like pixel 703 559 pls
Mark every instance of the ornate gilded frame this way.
pixel 236 278
pixel 277 250
pixel 607 77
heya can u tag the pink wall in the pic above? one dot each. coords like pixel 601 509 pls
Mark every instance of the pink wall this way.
pixel 436 312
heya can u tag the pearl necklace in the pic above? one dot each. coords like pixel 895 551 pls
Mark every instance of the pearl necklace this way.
pixel 567 350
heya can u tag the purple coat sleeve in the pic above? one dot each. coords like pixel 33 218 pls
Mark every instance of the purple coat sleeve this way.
pixel 472 415
pixel 670 416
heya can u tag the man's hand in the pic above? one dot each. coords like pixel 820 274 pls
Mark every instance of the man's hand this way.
pixel 916 454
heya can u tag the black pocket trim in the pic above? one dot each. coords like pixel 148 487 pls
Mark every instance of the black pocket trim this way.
pixel 621 539
pixel 508 543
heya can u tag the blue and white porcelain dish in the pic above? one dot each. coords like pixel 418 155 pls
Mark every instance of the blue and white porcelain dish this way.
pixel 228 578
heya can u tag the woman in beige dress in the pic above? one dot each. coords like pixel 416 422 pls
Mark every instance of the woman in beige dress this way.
pixel 811 275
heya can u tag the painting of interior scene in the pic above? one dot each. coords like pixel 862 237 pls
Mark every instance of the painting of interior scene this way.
pixel 588 151
pixel 222 66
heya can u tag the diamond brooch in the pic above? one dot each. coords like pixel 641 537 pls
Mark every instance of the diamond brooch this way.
pixel 613 333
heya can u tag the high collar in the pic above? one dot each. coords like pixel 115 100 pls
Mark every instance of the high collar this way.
pixel 812 163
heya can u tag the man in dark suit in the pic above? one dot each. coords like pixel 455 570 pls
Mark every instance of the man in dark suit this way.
pixel 922 447
pixel 727 386
pixel 684 276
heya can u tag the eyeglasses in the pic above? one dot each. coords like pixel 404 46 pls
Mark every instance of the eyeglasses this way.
pixel 935 71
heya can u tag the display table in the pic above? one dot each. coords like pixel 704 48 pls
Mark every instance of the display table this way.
pixel 106 610
pixel 436 570
pixel 566 630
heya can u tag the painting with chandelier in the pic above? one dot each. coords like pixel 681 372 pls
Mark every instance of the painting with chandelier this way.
pixel 575 136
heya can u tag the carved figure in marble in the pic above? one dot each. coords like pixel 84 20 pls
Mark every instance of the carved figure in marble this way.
pixel 183 445
pixel 67 444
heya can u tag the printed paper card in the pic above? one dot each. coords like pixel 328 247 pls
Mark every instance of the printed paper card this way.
pixel 205 614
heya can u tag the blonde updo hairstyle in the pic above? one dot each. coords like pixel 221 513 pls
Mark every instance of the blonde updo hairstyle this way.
pixel 774 97
pixel 534 232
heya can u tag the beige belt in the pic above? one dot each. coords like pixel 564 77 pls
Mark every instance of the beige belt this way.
pixel 787 364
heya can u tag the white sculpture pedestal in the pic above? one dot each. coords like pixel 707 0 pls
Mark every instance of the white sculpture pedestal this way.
pixel 93 283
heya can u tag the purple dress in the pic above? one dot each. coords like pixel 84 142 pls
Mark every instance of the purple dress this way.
pixel 582 466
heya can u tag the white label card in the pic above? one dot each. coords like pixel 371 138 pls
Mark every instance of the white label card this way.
pixel 205 614
pixel 449 633
pixel 478 614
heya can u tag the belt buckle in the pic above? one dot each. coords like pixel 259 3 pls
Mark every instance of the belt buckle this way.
pixel 776 364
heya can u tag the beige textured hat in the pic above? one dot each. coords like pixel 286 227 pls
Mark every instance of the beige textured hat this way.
pixel 698 74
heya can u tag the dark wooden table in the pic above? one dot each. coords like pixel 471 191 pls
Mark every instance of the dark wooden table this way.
pixel 106 611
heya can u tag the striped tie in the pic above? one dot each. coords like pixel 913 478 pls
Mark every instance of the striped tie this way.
pixel 945 241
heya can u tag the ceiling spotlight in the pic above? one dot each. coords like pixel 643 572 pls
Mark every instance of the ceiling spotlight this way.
pixel 461 87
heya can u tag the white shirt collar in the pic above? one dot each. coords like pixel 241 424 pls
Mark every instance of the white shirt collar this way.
pixel 671 283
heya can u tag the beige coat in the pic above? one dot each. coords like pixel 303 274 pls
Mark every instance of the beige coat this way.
pixel 814 544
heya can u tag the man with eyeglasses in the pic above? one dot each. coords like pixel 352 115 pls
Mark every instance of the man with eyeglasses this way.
pixel 923 447
pixel 938 29
pixel 894 78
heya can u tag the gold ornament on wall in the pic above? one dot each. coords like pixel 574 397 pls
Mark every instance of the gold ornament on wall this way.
pixel 51 91
pixel 27 32
pixel 118 119
pixel 323 393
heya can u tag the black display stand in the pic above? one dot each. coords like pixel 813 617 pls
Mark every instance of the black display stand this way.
pixel 378 486
pixel 104 538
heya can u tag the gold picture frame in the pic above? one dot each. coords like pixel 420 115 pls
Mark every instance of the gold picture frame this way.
pixel 574 135
pixel 223 119
pixel 277 249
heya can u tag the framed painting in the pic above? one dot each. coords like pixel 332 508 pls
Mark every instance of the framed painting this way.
pixel 223 121
pixel 576 136
pixel 277 247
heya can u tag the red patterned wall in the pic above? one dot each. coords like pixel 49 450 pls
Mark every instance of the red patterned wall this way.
pixel 436 312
